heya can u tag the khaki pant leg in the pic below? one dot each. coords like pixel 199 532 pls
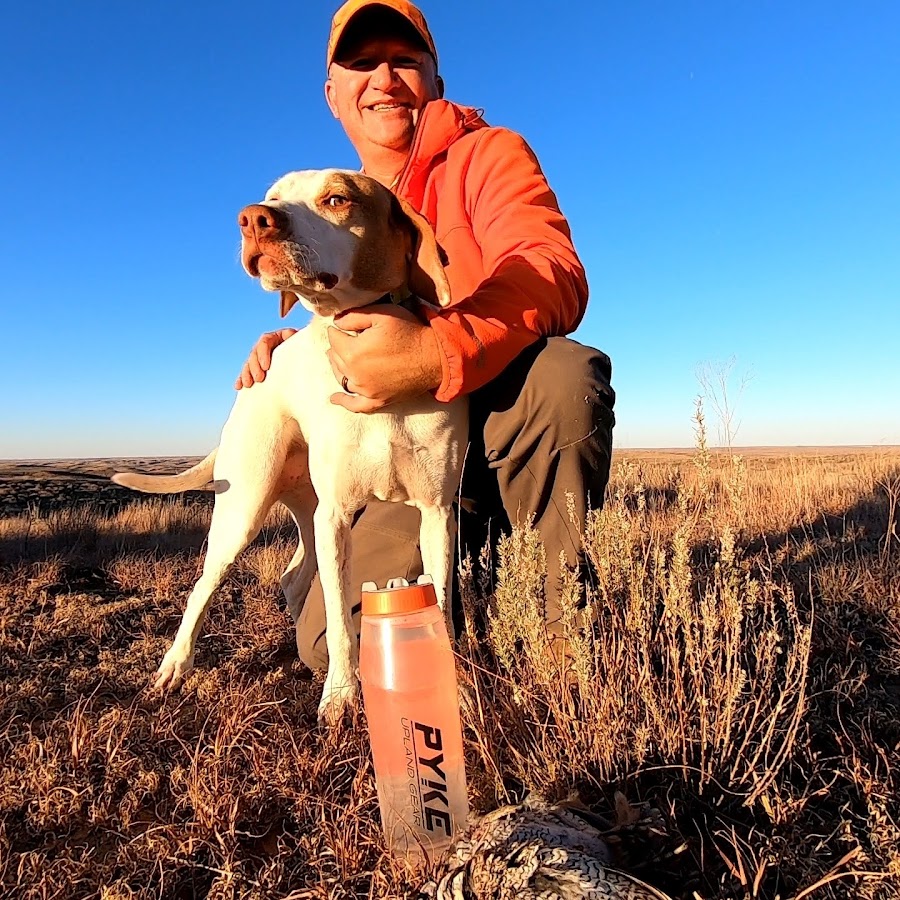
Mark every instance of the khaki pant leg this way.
pixel 547 425
pixel 385 545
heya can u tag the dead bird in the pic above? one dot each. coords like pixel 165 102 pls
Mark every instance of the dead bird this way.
pixel 541 851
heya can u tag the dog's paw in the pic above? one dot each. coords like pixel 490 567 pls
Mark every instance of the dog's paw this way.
pixel 172 670
pixel 337 698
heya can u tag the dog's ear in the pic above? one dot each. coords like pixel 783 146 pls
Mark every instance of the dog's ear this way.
pixel 427 259
pixel 288 299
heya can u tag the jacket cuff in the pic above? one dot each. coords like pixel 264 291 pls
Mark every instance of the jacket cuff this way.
pixel 451 357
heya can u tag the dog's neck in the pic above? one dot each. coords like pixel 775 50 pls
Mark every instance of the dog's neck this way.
pixel 401 297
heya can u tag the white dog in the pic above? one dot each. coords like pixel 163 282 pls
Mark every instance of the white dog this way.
pixel 334 240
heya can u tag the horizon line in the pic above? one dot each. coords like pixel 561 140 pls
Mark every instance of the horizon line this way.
pixel 658 449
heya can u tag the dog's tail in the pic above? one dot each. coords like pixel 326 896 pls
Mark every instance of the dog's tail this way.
pixel 191 479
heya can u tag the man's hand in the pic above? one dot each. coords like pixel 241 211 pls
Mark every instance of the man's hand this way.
pixel 393 356
pixel 261 357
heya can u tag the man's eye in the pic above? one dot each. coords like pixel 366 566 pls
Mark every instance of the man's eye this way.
pixel 336 200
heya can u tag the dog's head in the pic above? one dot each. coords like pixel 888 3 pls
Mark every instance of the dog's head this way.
pixel 334 240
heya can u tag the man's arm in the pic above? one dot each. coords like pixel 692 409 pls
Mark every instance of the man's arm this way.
pixel 536 286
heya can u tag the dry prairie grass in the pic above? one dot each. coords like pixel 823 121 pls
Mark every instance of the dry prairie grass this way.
pixel 735 646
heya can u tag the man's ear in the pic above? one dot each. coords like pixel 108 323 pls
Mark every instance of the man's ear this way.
pixel 288 299
pixel 440 87
pixel 427 278
pixel 330 98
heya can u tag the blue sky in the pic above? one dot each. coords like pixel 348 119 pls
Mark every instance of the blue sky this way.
pixel 729 170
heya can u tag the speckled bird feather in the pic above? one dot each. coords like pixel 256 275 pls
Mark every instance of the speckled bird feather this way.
pixel 539 851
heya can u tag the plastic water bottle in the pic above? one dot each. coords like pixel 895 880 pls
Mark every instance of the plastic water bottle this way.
pixel 408 677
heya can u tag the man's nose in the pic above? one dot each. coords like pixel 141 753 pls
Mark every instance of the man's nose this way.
pixel 263 222
pixel 383 76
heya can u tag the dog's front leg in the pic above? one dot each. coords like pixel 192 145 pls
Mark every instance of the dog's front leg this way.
pixel 332 538
pixel 436 537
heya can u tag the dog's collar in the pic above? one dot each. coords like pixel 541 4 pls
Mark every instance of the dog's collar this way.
pixel 400 297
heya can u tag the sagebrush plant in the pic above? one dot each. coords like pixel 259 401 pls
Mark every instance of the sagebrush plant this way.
pixel 677 653
pixel 731 655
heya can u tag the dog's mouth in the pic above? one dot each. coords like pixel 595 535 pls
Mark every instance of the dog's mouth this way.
pixel 274 272
pixel 326 280
pixel 309 286
pixel 276 276
pixel 251 264
pixel 285 270
pixel 263 258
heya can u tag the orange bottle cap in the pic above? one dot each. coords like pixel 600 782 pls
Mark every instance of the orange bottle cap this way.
pixel 398 597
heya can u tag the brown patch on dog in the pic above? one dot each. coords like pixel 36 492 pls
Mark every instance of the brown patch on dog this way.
pixel 380 264
pixel 426 258
pixel 383 264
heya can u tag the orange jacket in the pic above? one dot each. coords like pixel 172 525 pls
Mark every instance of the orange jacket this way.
pixel 513 271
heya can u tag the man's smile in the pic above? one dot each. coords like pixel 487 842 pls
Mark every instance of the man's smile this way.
pixel 387 106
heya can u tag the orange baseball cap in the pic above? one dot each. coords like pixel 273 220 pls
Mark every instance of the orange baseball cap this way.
pixel 404 8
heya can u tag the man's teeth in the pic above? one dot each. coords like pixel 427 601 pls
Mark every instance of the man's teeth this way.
pixel 380 106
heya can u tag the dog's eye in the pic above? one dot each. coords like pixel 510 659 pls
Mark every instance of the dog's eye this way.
pixel 336 200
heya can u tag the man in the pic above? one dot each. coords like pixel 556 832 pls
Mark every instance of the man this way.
pixel 540 404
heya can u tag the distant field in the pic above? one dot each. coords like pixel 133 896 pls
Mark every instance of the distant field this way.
pixel 44 482
pixel 737 664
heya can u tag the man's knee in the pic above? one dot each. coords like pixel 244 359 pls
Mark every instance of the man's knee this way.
pixel 569 375
pixel 566 392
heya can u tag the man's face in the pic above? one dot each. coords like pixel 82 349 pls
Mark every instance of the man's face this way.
pixel 377 88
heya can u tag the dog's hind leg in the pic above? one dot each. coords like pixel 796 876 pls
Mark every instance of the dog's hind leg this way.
pixel 436 537
pixel 229 534
pixel 249 474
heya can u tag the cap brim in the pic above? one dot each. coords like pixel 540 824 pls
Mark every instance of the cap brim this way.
pixel 406 13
